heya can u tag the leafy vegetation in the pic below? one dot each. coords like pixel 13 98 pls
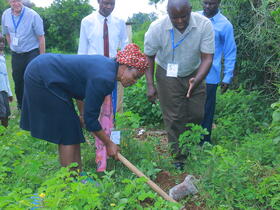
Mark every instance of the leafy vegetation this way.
pixel 256 27
pixel 241 170
pixel 62 22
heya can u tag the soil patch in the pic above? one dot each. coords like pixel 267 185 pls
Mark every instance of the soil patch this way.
pixel 166 181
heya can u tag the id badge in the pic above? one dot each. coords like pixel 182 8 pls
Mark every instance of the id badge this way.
pixel 116 137
pixel 15 41
pixel 172 70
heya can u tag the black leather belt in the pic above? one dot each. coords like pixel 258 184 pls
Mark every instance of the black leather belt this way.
pixel 25 53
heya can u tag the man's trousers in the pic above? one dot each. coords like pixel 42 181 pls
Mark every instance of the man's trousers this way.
pixel 177 109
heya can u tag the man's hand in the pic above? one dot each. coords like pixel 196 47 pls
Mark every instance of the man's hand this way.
pixel 112 150
pixel 192 85
pixel 10 98
pixel 224 87
pixel 152 94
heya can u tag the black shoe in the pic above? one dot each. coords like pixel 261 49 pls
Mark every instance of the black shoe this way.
pixel 179 165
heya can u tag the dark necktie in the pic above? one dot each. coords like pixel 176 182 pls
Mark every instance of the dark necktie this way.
pixel 106 38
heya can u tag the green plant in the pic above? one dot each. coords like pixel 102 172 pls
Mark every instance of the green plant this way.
pixel 135 99
pixel 190 139
pixel 269 191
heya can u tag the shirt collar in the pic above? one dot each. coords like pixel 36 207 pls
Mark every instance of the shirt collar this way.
pixel 101 17
pixel 215 17
pixel 22 9
pixel 192 24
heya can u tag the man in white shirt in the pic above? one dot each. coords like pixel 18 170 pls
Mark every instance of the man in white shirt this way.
pixel 92 34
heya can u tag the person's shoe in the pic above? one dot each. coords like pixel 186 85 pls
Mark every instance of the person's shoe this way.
pixel 179 165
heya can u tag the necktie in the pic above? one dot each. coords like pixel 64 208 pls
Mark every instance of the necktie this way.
pixel 106 38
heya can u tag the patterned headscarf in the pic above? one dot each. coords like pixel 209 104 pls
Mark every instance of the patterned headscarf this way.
pixel 132 56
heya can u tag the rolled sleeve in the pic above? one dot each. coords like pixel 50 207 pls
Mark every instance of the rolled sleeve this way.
pixel 151 42
pixel 208 39
pixel 3 23
pixel 38 25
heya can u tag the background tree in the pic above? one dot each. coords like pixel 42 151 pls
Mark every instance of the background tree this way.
pixel 140 18
pixel 3 5
pixel 154 2
pixel 62 23
pixel 257 35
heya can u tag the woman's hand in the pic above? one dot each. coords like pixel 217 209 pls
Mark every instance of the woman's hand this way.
pixel 152 94
pixel 112 150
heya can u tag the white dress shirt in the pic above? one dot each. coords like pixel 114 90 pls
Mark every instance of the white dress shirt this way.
pixel 4 80
pixel 91 35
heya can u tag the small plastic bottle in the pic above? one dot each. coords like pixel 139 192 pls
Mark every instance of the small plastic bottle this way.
pixel 185 188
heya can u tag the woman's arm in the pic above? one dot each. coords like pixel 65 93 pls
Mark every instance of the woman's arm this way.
pixel 112 148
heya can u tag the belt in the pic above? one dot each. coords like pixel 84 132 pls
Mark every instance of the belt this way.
pixel 25 53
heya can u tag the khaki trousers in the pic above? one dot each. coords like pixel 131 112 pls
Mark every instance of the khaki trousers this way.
pixel 178 110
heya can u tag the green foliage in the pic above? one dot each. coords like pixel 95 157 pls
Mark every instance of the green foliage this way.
pixel 62 189
pixel 62 23
pixel 269 189
pixel 128 123
pixel 3 5
pixel 29 172
pixel 139 19
pixel 242 170
pixel 135 99
pixel 239 114
pixel 138 36
pixel 190 139
pixel 154 2
pixel 257 36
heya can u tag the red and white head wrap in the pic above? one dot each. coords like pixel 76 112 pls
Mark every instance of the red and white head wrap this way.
pixel 132 56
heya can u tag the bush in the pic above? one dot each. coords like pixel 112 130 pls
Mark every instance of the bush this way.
pixel 135 99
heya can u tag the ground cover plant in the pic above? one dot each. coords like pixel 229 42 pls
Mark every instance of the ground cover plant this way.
pixel 240 171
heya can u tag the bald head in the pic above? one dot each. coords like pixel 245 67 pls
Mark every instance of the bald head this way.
pixel 179 12
pixel 178 4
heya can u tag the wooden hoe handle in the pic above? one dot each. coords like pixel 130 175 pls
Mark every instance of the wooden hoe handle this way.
pixel 149 182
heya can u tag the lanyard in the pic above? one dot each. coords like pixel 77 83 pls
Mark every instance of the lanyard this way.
pixel 174 46
pixel 19 20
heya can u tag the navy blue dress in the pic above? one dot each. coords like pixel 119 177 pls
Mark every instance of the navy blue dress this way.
pixel 51 81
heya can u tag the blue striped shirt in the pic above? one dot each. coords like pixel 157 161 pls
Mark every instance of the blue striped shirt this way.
pixel 225 48
pixel 28 31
